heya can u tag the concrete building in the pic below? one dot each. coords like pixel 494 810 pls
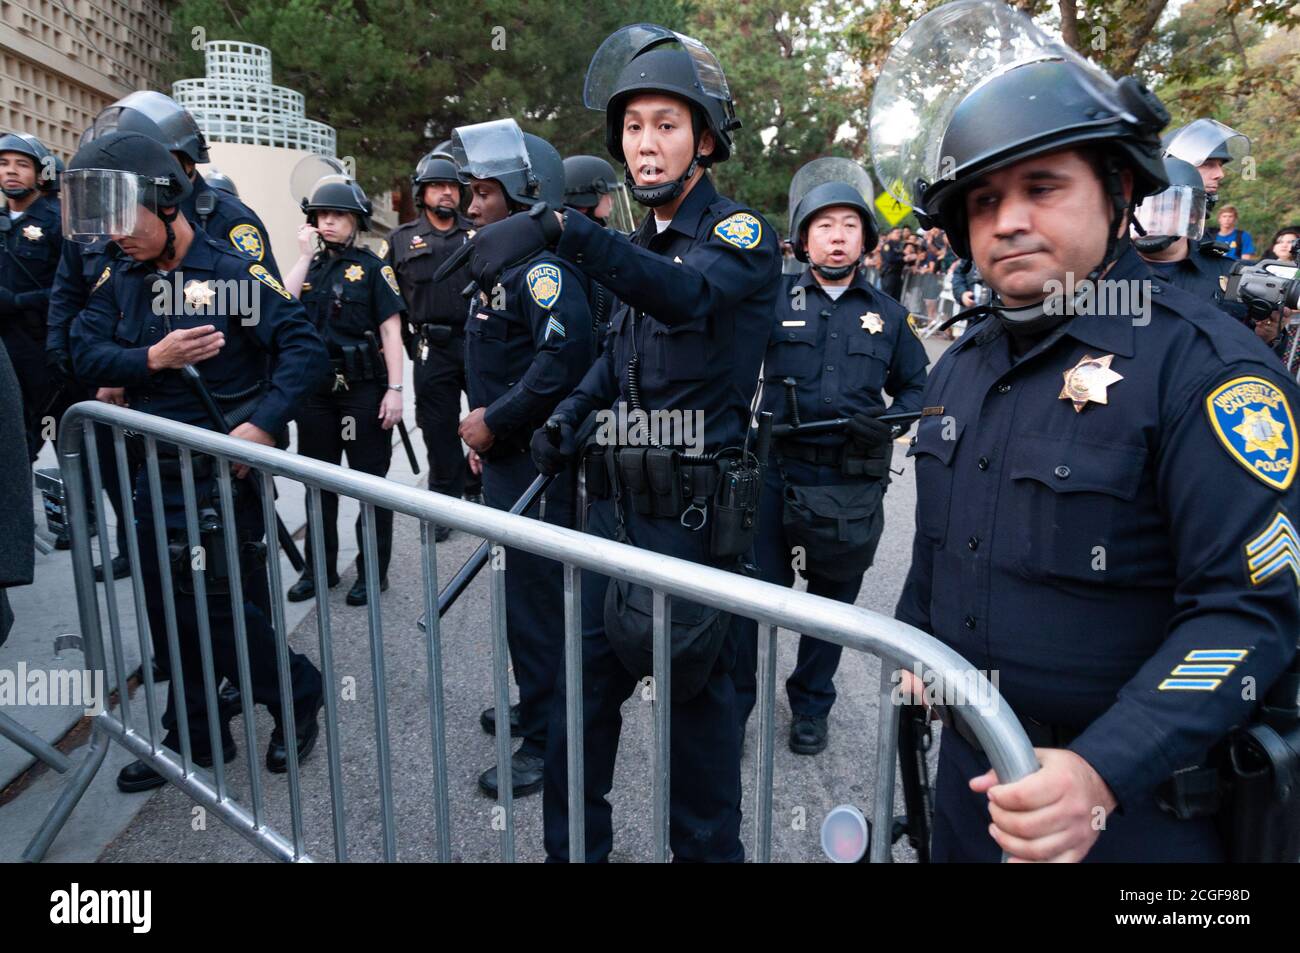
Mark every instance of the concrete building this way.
pixel 62 61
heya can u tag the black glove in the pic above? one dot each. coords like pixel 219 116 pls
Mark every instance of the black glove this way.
pixel 867 431
pixel 27 300
pixel 496 247
pixel 550 458
pixel 59 365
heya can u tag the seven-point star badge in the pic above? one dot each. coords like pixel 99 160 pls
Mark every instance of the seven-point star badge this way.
pixel 1088 380
pixel 33 233
pixel 354 273
pixel 871 323
pixel 199 294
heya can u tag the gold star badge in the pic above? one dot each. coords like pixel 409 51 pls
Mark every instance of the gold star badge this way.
pixel 199 294
pixel 354 273
pixel 871 323
pixel 1261 432
pixel 33 233
pixel 1088 380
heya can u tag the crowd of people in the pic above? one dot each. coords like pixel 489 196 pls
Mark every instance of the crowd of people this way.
pixel 1167 455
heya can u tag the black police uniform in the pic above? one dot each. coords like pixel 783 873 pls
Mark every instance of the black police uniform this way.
pixel 279 357
pixel 843 354
pixel 224 217
pixel 1198 274
pixel 347 296
pixel 696 306
pixel 29 257
pixel 1126 564
pixel 520 360
pixel 435 332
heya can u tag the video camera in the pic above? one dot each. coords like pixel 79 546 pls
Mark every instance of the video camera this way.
pixel 1263 286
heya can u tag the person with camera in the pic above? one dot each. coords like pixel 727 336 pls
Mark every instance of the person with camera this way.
pixel 127 188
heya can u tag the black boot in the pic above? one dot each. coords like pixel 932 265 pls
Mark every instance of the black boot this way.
pixel 357 594
pixel 305 587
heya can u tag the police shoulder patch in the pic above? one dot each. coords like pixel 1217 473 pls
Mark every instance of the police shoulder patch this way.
pixel 382 250
pixel 741 229
pixel 1254 422
pixel 268 279
pixel 248 239
pixel 103 277
pixel 544 284
pixel 387 272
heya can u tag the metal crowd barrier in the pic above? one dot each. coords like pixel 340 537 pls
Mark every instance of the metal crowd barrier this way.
pixel 898 645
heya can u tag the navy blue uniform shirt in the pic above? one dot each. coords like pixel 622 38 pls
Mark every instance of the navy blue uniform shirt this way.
pixel 348 294
pixel 1198 274
pixel 1128 568
pixel 842 354
pixel 232 222
pixel 522 358
pixel 272 342
pixel 28 261
pixel 696 304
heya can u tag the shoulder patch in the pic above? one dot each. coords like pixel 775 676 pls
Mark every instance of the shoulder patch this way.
pixel 268 279
pixel 387 272
pixel 382 250
pixel 1254 422
pixel 248 239
pixel 544 284
pixel 103 277
pixel 741 229
pixel 1274 550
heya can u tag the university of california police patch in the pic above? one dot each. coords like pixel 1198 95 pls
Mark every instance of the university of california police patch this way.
pixel 103 277
pixel 387 272
pixel 742 230
pixel 1253 421
pixel 248 240
pixel 544 283
pixel 268 279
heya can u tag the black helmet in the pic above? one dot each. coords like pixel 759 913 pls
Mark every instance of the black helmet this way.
pixel 48 165
pixel 434 167
pixel 527 166
pixel 157 116
pixel 1176 212
pixel 586 179
pixel 825 183
pixel 219 180
pixel 341 194
pixel 1012 94
pixel 111 176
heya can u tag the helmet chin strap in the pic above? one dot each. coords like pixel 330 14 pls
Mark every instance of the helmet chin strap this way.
pixel 169 248
pixel 834 274
pixel 19 193
pixel 653 196
pixel 443 212
pixel 1152 244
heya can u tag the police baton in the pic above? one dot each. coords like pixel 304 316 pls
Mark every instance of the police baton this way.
pixel 839 423
pixel 200 387
pixel 465 575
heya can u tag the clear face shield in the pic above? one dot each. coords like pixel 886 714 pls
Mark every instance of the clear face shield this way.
pixel 623 46
pixel 1199 140
pixel 1177 212
pixel 489 150
pixel 309 173
pixel 621 218
pixel 822 171
pixel 104 203
pixel 934 66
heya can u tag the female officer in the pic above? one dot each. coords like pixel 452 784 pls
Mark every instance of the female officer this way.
pixel 352 297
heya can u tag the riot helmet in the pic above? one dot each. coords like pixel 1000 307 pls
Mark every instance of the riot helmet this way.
pixel 974 86
pixel 48 165
pixel 647 58
pixel 434 167
pixel 1177 212
pixel 219 180
pixel 589 178
pixel 157 116
pixel 830 182
pixel 320 183
pixel 527 167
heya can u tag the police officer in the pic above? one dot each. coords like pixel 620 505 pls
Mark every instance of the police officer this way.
pixel 698 283
pixel 836 347
pixel 528 344
pixel 352 297
pixel 162 307
pixel 1103 505
pixel 1172 224
pixel 217 211
pixel 30 242
pixel 435 329
pixel 592 188
pixel 1210 145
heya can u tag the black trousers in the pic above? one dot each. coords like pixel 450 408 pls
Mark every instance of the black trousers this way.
pixel 704 801
pixel 330 424
pixel 439 382
pixel 891 283
pixel 27 354
pixel 534 595
pixel 263 670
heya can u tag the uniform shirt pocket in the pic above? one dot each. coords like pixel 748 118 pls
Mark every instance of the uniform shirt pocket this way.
pixel 678 351
pixel 1076 509
pixel 868 361
pixel 933 448
pixel 791 352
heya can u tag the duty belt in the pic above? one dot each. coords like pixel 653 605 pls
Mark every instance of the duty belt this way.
pixel 1040 735
pixel 661 483
pixel 817 454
